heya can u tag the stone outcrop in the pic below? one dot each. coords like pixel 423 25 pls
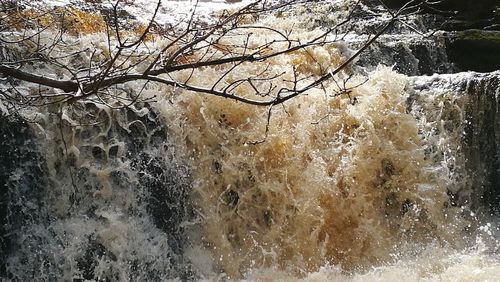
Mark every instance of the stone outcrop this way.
pixel 477 50
pixel 478 125
pixel 482 138
pixel 461 8
pixel 471 32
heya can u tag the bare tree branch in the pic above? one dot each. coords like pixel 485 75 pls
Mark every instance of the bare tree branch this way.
pixel 226 46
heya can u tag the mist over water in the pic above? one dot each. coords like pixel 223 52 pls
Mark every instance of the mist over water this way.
pixel 371 186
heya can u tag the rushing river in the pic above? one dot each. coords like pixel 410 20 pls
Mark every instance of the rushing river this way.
pixel 383 185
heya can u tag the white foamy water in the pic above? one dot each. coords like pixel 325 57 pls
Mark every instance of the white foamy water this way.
pixel 339 191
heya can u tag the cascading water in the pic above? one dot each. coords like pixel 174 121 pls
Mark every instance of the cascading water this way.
pixel 395 181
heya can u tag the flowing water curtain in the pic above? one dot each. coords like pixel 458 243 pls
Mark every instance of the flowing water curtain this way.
pixel 333 182
pixel 335 176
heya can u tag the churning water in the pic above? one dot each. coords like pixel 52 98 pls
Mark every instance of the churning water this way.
pixel 375 186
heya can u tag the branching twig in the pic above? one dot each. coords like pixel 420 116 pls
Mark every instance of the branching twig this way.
pixel 227 45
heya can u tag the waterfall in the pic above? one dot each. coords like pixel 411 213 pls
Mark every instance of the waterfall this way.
pixel 397 179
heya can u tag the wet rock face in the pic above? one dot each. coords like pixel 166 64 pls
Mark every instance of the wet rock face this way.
pixel 464 8
pixel 457 14
pixel 477 50
pixel 482 139
pixel 417 57
pixel 476 115
pixel 472 36
pixel 21 177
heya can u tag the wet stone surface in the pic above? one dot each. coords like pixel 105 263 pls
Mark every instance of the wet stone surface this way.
pixel 21 182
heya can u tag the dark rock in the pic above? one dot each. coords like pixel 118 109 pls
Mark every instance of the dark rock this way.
pixel 482 140
pixel 431 57
pixel 417 57
pixel 166 183
pixel 460 25
pixel 462 8
pixel 470 9
pixel 131 143
pixel 476 183
pixel 476 50
pixel 21 179
pixel 168 200
pixel 476 174
pixel 89 260
pixel 98 153
pixel 113 151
